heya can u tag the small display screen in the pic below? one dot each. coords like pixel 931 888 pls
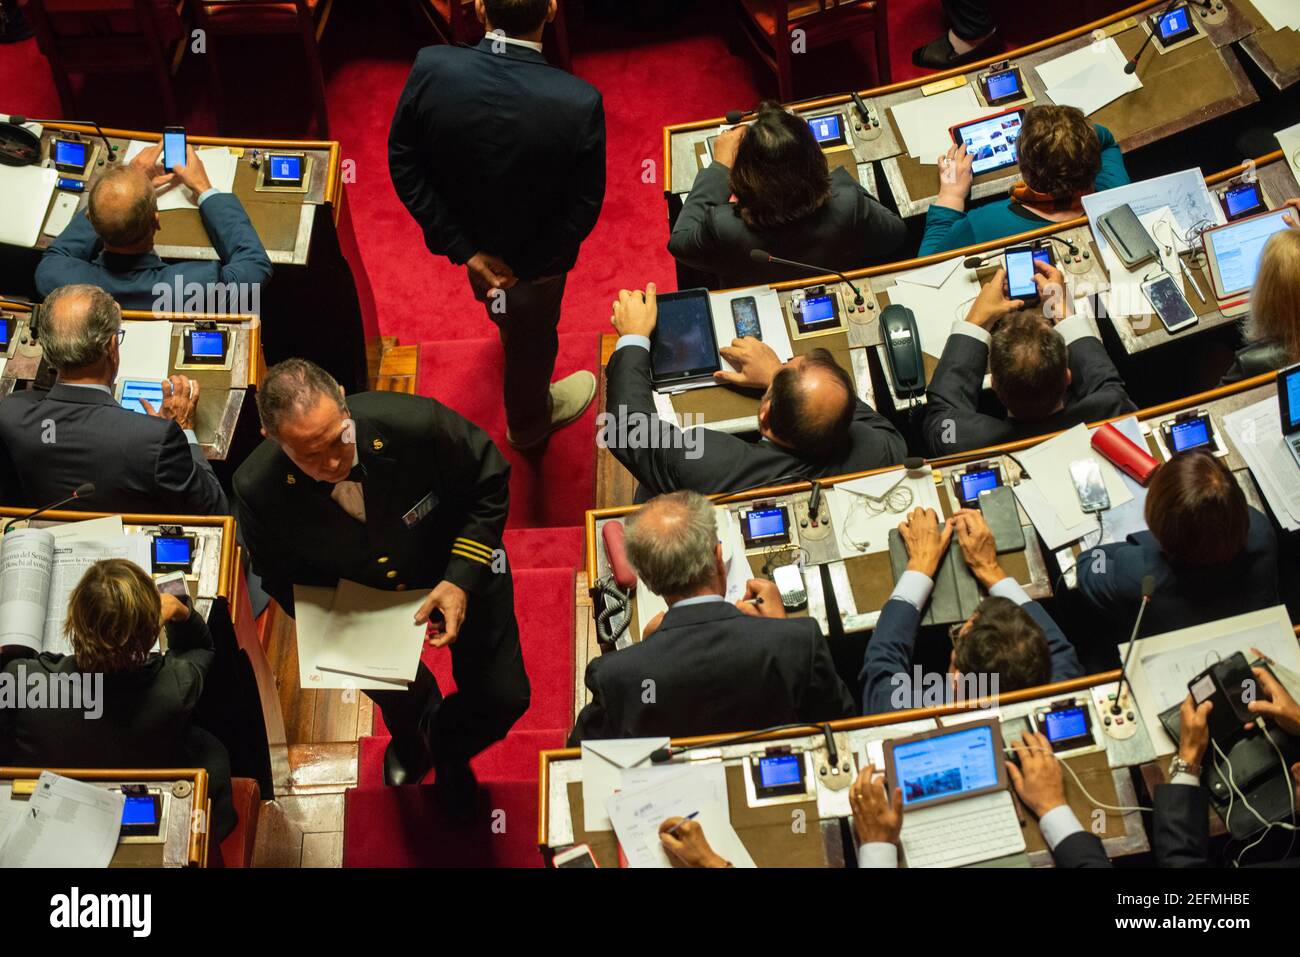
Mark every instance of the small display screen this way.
pixel 172 552
pixel 972 483
pixel 1066 724
pixel 1241 200
pixel 1020 274
pixel 817 313
pixel 208 344
pixel 1290 387
pixel 766 524
pixel 991 142
pixel 946 765
pixel 683 345
pixel 1176 25
pixel 1191 434
pixel 133 390
pixel 1003 86
pixel 780 771
pixel 173 149
pixel 140 810
pixel 6 331
pixel 284 169
pixel 70 154
pixel 827 130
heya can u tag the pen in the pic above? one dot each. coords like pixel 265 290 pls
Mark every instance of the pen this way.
pixel 1191 277
pixel 753 601
pixel 690 817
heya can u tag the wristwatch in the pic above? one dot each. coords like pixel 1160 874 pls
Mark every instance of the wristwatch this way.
pixel 1178 766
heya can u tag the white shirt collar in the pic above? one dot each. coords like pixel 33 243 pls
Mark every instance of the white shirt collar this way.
pixel 498 35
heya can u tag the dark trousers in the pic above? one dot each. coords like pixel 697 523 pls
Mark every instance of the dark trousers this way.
pixel 492 690
pixel 527 316
pixel 969 19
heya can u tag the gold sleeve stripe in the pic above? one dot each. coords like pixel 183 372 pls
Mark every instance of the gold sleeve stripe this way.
pixel 474 547
pixel 469 555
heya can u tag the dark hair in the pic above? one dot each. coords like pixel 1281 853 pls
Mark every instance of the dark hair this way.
pixel 1028 362
pixel 290 387
pixel 1197 511
pixel 1058 150
pixel 516 16
pixel 817 438
pixel 780 174
pixel 1004 641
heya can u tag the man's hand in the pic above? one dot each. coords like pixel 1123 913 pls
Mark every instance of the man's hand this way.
pixel 489 272
pixel 180 399
pixel 1194 730
pixel 173 609
pixel 1052 291
pixel 877 816
pixel 687 847
pixel 926 540
pixel 728 145
pixel 635 312
pixel 1039 780
pixel 978 546
pixel 755 362
pixel 193 174
pixel 771 606
pixel 443 611
pixel 1275 702
pixel 955 177
pixel 992 302
pixel 147 162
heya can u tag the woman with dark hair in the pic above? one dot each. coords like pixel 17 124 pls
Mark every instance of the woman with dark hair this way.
pixel 1211 555
pixel 787 202
pixel 140 717
pixel 1062 158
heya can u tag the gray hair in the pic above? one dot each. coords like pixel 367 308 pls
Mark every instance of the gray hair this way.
pixel 122 206
pixel 77 323
pixel 672 541
pixel 293 387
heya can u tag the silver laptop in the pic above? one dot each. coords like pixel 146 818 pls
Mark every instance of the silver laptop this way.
pixel 958 807
pixel 1288 398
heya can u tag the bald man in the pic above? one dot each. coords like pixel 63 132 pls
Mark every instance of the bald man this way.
pixel 811 424
pixel 110 243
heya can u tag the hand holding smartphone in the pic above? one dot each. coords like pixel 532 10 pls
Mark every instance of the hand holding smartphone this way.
pixel 174 147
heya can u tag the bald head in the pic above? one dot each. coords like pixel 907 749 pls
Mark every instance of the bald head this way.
pixel 672 543
pixel 809 407
pixel 123 209
pixel 77 325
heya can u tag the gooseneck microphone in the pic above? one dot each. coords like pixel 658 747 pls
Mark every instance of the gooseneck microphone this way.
pixel 660 755
pixel 84 490
pixel 763 256
pixel 1131 66
pixel 1148 589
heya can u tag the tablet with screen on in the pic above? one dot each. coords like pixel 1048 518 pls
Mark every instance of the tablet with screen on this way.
pixel 1234 252
pixel 991 141
pixel 683 348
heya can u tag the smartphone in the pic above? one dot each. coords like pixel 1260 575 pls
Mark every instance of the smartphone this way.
pixel 789 582
pixel 1088 483
pixel 744 313
pixel 173 583
pixel 577 856
pixel 173 147
pixel 1175 312
pixel 133 390
pixel 998 506
pixel 1019 261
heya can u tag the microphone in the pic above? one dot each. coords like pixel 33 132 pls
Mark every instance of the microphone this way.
pixel 84 490
pixel 763 256
pixel 734 117
pixel 1131 66
pixel 914 463
pixel 1148 589
pixel 112 150
pixel 660 755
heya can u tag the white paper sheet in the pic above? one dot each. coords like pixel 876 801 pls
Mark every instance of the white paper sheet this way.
pixel 1256 432
pixel 1089 77
pixel 312 606
pixel 936 306
pixel 604 764
pixel 859 530
pixel 1289 142
pixel 1048 495
pixel 372 634
pixel 1184 192
pixel 925 122
pixel 66 823
pixel 25 193
pixel 771 320
pixel 1280 14
pixel 218 161
pixel 146 350
pixel 72 557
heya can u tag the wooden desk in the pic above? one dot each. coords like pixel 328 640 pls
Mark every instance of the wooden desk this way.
pixel 318 304
pixel 559 825
pixel 184 794
pixel 224 393
pixel 1275 52
pixel 240 702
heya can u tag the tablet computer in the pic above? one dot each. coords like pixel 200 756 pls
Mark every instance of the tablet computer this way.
pixel 992 140
pixel 684 348
pixel 948 764
pixel 1234 251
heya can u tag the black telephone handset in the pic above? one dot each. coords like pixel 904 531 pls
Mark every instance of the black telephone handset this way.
pixel 903 350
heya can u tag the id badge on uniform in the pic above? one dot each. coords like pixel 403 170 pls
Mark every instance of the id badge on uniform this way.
pixel 420 510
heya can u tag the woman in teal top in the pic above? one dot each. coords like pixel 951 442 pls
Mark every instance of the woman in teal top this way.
pixel 1062 157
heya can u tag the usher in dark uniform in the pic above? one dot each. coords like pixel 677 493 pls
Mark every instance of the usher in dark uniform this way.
pixel 436 497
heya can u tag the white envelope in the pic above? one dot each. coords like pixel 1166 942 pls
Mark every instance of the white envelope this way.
pixel 603 764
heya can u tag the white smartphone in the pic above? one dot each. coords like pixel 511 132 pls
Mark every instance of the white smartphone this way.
pixel 789 582
pixel 1175 312
pixel 1089 485
pixel 577 856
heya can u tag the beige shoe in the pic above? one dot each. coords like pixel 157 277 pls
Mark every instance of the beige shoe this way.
pixel 569 399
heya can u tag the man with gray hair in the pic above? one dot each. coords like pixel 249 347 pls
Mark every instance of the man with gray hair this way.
pixel 51 442
pixel 706 666
pixel 395 491
pixel 110 243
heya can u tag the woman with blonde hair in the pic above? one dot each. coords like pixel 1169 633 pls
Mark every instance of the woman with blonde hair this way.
pixel 1272 331
pixel 135 706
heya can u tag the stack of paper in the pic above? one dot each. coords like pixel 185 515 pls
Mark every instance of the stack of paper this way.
pixel 1280 14
pixel 1089 77
pixel 65 823
pixel 938 296
pixel 603 766
pixel 1256 432
pixel 925 123
pixel 218 161
pixel 1184 192
pixel 353 636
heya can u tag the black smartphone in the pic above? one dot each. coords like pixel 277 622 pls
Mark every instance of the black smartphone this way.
pixel 744 313
pixel 173 147
pixel 1020 271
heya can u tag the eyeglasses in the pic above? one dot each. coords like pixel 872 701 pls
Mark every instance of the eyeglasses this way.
pixel 120 334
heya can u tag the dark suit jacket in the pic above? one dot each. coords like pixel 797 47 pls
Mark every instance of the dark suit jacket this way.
pixel 889 654
pixel 714 670
pixel 851 230
pixel 1081 849
pixel 414 450
pixel 1180 828
pixel 51 442
pixel 77 257
pixel 1255 359
pixel 953 422
pixel 1183 596
pixel 499 152
pixel 719 462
